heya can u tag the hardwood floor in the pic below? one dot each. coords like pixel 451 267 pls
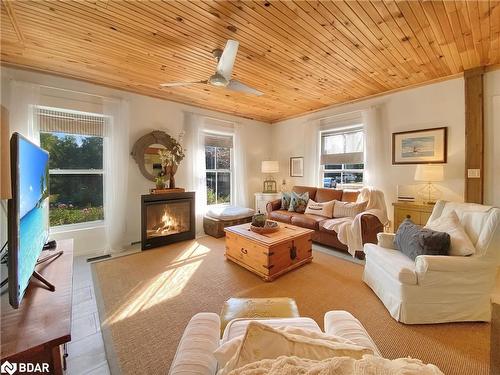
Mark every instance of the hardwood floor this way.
pixel 86 353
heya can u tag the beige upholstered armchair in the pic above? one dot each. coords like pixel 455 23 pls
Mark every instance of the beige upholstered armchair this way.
pixel 437 289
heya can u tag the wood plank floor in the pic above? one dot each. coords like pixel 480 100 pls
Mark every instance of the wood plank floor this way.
pixel 86 355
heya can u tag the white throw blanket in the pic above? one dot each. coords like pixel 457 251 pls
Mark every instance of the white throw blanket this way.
pixel 368 365
pixel 348 229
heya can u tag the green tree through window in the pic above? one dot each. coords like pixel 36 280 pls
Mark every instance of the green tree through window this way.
pixel 76 177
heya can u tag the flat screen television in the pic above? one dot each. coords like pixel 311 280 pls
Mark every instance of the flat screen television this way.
pixel 28 213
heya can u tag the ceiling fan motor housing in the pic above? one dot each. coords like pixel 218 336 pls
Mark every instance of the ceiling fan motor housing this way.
pixel 218 80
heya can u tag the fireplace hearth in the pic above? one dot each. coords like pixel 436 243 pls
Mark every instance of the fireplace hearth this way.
pixel 167 218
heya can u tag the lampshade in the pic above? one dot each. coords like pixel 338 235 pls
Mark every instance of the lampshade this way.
pixel 429 173
pixel 270 166
pixel 5 188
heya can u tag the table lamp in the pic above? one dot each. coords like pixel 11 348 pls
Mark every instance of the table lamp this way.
pixel 269 167
pixel 429 173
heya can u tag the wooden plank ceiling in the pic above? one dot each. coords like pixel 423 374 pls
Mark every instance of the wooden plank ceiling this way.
pixel 304 55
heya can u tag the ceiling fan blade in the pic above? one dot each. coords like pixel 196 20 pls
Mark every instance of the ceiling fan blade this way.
pixel 180 84
pixel 241 87
pixel 227 59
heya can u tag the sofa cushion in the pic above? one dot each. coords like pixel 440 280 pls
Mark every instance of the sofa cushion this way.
pixel 326 195
pixel 302 189
pixel 393 262
pixel 307 221
pixel 323 229
pixel 350 195
pixel 284 216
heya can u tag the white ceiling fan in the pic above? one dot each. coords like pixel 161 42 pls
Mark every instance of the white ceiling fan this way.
pixel 222 76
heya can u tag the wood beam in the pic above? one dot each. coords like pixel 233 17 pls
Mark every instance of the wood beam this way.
pixel 474 135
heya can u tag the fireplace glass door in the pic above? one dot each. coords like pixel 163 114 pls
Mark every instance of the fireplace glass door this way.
pixel 167 218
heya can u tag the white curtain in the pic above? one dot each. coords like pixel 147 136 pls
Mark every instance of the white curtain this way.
pixel 374 151
pixel 24 97
pixel 240 191
pixel 116 163
pixel 311 157
pixel 195 156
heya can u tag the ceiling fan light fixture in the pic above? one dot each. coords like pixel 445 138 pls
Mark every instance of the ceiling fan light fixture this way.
pixel 218 80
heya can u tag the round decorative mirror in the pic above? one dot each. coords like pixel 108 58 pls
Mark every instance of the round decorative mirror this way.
pixel 146 152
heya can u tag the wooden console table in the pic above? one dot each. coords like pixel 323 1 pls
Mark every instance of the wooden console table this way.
pixel 419 213
pixel 38 329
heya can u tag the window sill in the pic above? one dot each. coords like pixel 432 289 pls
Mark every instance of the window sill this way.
pixel 78 226
pixel 350 186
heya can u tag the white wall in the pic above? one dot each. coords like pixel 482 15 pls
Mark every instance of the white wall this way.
pixel 438 104
pixel 146 114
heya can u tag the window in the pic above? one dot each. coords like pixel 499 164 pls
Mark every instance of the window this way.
pixel 218 165
pixel 342 157
pixel 75 143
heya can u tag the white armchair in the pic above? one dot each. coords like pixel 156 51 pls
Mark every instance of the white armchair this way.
pixel 438 289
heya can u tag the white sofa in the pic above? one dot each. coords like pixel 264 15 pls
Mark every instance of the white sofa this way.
pixel 438 289
pixel 202 336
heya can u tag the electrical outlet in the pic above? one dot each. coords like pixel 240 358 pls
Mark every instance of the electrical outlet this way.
pixel 473 173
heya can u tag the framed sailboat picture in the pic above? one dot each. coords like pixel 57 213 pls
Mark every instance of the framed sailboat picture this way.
pixel 420 146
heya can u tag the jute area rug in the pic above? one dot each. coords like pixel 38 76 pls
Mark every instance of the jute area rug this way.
pixel 145 301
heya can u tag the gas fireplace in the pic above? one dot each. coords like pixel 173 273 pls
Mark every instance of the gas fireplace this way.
pixel 167 218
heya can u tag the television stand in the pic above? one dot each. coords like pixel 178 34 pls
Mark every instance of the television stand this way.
pixel 42 279
pixel 37 331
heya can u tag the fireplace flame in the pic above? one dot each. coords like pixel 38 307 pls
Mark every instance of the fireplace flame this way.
pixel 165 221
pixel 168 223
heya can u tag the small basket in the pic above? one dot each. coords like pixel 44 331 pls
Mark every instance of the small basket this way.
pixel 269 227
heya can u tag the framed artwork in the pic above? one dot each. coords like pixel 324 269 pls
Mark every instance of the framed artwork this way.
pixel 420 146
pixel 297 166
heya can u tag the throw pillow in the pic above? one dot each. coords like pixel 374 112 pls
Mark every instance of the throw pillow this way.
pixel 348 209
pixel 263 342
pixel 461 245
pixel 285 200
pixel 324 209
pixel 298 203
pixel 413 241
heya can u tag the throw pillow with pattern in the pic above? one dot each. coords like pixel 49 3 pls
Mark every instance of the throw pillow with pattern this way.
pixel 413 240
pixel 324 209
pixel 285 200
pixel 298 203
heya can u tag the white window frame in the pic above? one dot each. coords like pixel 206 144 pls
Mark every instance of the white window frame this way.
pixel 61 172
pixel 343 169
pixel 216 170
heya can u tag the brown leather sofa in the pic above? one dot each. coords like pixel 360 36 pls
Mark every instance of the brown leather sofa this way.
pixel 370 224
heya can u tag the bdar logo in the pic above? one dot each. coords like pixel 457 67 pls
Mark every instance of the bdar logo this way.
pixel 8 368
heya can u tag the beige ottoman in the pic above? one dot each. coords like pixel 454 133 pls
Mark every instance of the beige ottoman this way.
pixel 252 308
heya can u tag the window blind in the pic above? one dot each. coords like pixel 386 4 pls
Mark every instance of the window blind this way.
pixel 218 140
pixel 342 147
pixel 59 121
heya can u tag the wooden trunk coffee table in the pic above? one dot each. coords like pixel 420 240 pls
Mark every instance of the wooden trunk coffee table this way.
pixel 269 255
